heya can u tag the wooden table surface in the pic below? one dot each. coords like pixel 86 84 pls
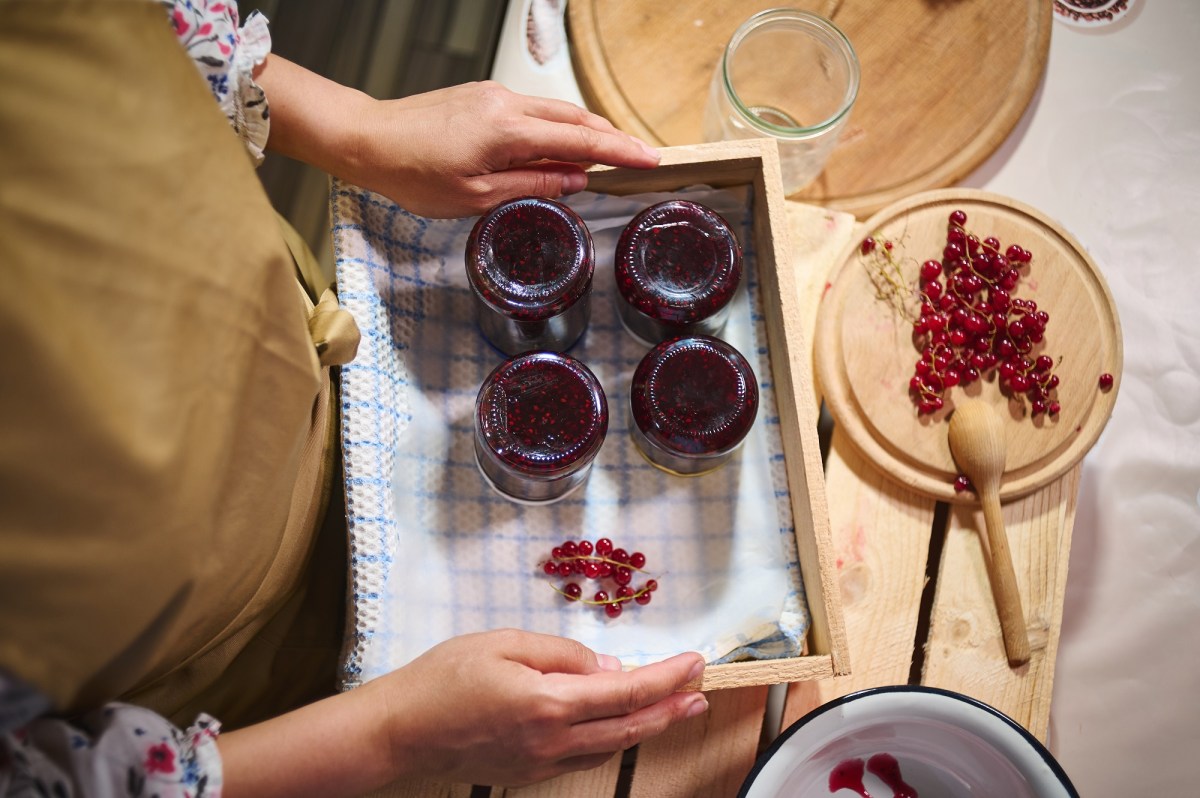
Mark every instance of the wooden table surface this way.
pixel 918 610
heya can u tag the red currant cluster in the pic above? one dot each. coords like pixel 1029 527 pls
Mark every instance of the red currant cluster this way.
pixel 970 324
pixel 600 562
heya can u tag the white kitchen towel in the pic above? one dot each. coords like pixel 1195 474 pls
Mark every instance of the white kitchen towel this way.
pixel 435 552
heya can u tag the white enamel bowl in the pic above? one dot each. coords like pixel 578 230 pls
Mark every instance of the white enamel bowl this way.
pixel 943 743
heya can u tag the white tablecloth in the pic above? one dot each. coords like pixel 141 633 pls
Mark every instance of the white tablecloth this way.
pixel 1110 147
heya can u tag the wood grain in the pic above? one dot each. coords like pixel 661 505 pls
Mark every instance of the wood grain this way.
pixel 419 788
pixel 943 81
pixel 756 162
pixel 866 352
pixel 881 542
pixel 601 781
pixel 965 650
pixel 707 756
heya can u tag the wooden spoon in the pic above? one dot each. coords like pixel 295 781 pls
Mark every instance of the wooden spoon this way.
pixel 977 443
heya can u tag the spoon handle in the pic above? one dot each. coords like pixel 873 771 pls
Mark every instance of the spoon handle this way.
pixel 1004 581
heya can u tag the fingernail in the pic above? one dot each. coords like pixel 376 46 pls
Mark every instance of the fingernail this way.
pixel 574 182
pixel 608 663
pixel 697 707
pixel 650 151
pixel 697 671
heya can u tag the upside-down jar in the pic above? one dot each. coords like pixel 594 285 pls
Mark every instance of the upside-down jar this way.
pixel 530 263
pixel 540 419
pixel 693 401
pixel 677 267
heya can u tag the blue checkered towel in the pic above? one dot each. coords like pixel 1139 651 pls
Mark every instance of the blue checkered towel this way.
pixel 435 552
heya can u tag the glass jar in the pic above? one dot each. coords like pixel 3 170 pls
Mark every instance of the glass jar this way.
pixel 790 76
pixel 677 267
pixel 530 263
pixel 540 419
pixel 692 401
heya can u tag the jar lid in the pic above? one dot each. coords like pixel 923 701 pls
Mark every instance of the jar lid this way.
pixel 541 413
pixel 678 262
pixel 694 396
pixel 530 258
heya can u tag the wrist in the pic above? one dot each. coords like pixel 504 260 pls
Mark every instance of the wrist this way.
pixel 335 747
pixel 313 119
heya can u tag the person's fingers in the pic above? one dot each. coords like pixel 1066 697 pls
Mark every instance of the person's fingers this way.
pixel 582 762
pixel 550 654
pixel 551 180
pixel 539 139
pixel 608 694
pixel 605 735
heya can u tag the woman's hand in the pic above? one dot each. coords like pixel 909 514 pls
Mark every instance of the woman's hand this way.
pixel 448 153
pixel 513 707
pixel 505 707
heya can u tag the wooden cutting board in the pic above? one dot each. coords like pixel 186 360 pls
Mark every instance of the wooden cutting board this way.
pixel 865 353
pixel 943 81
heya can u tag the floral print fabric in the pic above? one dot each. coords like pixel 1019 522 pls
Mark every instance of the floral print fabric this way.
pixel 119 750
pixel 227 56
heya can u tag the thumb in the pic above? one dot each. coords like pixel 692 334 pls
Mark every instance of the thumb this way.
pixel 551 180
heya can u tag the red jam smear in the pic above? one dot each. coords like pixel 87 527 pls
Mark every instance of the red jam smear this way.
pixel 530 258
pixel 694 396
pixel 848 775
pixel 542 414
pixel 678 262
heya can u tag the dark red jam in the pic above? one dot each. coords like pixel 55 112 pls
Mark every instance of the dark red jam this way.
pixel 540 418
pixel 530 264
pixel 693 401
pixel 677 266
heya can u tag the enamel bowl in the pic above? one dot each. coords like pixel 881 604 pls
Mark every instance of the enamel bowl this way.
pixel 907 742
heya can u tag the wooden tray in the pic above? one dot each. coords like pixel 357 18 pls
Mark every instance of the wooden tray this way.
pixel 943 82
pixel 756 163
pixel 865 353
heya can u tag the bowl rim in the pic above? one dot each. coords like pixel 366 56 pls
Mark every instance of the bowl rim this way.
pixel 975 703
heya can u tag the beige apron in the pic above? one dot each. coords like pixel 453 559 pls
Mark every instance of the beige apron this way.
pixel 166 425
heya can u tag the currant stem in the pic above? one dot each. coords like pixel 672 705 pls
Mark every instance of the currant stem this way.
pixel 597 559
pixel 592 602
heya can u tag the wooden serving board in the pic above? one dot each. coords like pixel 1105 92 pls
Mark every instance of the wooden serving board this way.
pixel 943 81
pixel 865 354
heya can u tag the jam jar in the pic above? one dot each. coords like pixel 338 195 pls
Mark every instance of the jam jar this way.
pixel 677 266
pixel 530 264
pixel 692 400
pixel 540 418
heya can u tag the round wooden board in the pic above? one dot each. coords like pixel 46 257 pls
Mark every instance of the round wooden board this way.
pixel 865 352
pixel 943 81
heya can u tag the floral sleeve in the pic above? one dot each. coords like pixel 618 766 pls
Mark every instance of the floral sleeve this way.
pixel 119 750
pixel 226 55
